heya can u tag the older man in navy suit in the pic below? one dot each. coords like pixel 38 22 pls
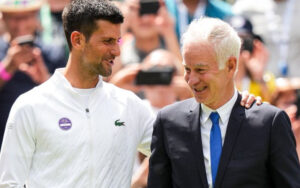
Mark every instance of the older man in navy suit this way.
pixel 212 141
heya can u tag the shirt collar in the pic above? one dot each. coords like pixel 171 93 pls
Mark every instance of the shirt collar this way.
pixel 61 79
pixel 224 111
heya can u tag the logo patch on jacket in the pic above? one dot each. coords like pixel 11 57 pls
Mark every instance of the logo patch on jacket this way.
pixel 119 123
pixel 65 124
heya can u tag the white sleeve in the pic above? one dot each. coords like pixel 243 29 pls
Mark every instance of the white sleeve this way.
pixel 17 147
pixel 146 121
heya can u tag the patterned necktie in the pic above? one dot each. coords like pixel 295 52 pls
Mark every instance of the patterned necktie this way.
pixel 215 144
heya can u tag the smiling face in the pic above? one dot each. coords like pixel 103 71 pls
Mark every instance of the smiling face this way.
pixel 100 50
pixel 210 85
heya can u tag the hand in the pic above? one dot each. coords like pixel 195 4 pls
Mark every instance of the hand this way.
pixel 164 21
pixel 141 176
pixel 125 78
pixel 36 69
pixel 249 99
pixel 258 60
pixel 17 55
pixel 131 11
pixel 296 128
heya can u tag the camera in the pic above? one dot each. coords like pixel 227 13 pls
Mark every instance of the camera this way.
pixel 155 76
pixel 148 7
pixel 25 40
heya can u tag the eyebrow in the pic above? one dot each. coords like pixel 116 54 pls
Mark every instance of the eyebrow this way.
pixel 197 65
pixel 201 65
pixel 110 37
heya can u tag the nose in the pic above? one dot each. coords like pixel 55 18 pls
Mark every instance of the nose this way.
pixel 192 79
pixel 116 50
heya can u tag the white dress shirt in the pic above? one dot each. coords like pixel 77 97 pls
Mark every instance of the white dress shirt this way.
pixel 206 124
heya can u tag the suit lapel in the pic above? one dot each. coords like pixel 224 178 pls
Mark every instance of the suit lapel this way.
pixel 234 125
pixel 194 122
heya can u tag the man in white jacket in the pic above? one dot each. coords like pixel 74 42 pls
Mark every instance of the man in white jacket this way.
pixel 76 130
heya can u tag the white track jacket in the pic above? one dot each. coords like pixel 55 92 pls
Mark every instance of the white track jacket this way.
pixel 55 139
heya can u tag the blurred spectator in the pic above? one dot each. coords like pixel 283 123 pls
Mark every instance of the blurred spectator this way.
pixel 25 65
pixel 51 21
pixel 287 97
pixel 149 31
pixel 277 22
pixel 158 95
pixel 184 11
pixel 253 60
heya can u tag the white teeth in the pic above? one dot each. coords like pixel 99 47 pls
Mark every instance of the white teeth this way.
pixel 200 89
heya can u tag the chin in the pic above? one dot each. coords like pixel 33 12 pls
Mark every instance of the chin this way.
pixel 198 99
pixel 107 74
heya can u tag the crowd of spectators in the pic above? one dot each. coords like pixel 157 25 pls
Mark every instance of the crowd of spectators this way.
pixel 32 46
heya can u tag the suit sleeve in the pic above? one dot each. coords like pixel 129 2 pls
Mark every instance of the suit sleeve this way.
pixel 159 165
pixel 17 147
pixel 285 169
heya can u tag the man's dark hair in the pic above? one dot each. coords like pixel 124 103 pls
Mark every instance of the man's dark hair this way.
pixel 81 15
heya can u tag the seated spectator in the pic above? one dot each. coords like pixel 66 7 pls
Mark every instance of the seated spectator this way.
pixel 25 60
pixel 287 97
pixel 148 32
pixel 253 60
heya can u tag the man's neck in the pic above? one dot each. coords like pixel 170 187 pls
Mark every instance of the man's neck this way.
pixel 228 94
pixel 77 77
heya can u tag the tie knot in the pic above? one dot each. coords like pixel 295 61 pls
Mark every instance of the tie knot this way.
pixel 214 116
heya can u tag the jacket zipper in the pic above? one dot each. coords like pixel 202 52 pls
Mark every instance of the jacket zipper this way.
pixel 90 146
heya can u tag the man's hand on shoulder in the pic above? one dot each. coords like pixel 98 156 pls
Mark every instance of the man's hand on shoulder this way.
pixel 248 99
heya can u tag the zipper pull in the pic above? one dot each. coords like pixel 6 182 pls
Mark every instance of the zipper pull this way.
pixel 87 111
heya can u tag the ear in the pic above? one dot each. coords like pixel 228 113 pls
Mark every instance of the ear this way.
pixel 77 40
pixel 231 65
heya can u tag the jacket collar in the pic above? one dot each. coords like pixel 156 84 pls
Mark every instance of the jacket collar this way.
pixel 194 121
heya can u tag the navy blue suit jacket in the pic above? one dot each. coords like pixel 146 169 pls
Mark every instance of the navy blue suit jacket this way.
pixel 258 151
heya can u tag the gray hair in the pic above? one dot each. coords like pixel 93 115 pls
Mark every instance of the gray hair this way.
pixel 220 34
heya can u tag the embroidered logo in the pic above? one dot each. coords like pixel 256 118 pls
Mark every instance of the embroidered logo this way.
pixel 119 123
pixel 65 124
